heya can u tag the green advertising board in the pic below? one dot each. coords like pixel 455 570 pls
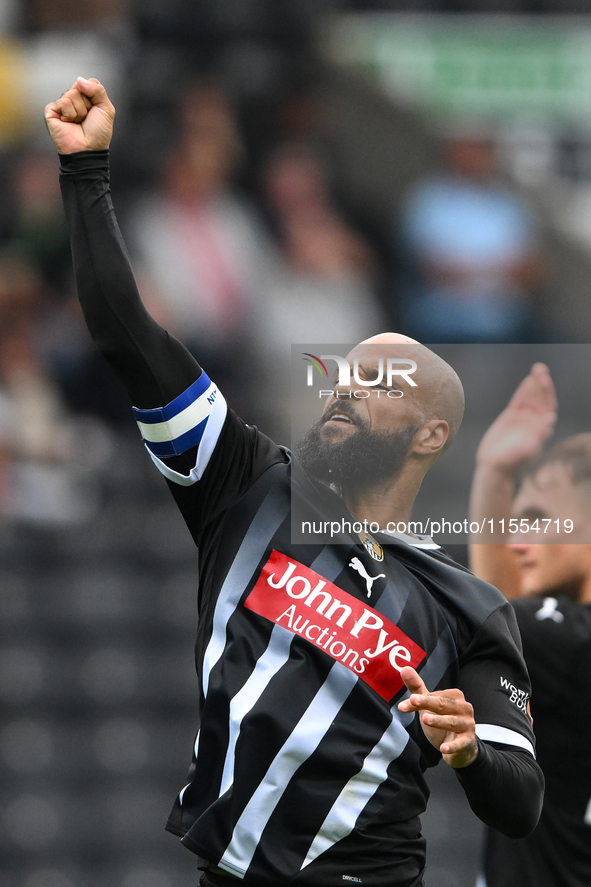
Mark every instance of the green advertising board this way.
pixel 485 65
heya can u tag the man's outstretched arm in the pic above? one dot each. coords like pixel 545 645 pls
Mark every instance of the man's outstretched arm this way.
pixel 154 367
pixel 181 414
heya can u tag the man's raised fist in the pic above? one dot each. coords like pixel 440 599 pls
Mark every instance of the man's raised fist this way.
pixel 82 118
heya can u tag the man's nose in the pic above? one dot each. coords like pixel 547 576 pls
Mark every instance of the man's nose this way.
pixel 520 548
pixel 344 392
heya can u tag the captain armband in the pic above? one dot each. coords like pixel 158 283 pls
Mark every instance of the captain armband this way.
pixel 194 418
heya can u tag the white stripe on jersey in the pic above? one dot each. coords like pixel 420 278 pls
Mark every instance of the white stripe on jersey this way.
pixel 267 521
pixel 359 790
pixel 274 657
pixel 207 444
pixel 244 563
pixel 301 744
pixel 187 419
pixel 493 733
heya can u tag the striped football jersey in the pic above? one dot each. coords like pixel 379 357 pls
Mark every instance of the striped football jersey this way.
pixel 303 767
pixel 303 770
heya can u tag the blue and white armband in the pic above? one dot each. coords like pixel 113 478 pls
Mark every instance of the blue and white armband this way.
pixel 194 418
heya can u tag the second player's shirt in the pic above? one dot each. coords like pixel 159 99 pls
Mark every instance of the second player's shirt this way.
pixel 556 635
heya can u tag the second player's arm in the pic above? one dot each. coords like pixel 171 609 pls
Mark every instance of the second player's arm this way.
pixel 491 499
pixel 517 435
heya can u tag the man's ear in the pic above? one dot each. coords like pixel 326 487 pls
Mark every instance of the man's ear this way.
pixel 431 438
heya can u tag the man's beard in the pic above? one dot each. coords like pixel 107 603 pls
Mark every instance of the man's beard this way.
pixel 363 458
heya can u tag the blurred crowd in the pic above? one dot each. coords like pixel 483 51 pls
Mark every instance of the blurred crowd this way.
pixel 234 216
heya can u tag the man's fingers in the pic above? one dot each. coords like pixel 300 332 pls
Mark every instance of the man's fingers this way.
pixel 413 680
pixel 72 107
pixel 449 723
pixel 51 111
pixel 536 391
pixel 83 95
pixel 439 702
pixel 96 92
pixel 542 375
pixel 74 93
pixel 446 717
pixel 436 704
pixel 457 744
pixel 416 685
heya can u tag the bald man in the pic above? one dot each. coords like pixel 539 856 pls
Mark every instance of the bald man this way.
pixel 377 448
pixel 331 676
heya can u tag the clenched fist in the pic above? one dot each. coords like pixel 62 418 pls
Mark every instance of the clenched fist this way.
pixel 82 119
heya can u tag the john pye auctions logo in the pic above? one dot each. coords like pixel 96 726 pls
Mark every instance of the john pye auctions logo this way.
pixel 302 601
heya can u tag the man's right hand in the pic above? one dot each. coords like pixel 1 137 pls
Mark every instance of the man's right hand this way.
pixel 516 436
pixel 82 119
pixel 523 427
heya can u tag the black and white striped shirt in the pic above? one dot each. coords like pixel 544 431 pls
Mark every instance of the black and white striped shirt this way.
pixel 556 634
pixel 303 769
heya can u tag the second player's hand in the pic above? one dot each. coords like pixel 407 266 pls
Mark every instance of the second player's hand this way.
pixel 520 431
pixel 82 118
pixel 446 717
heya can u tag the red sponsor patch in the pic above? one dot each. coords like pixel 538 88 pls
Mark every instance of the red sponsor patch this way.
pixel 294 596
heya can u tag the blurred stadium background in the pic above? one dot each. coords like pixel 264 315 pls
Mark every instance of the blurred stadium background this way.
pixel 284 170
